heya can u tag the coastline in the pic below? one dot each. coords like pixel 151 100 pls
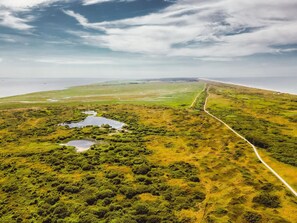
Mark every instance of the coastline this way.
pixel 248 86
pixel 97 81
pixel 36 85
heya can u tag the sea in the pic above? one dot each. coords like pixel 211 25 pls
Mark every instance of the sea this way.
pixel 285 84
pixel 17 86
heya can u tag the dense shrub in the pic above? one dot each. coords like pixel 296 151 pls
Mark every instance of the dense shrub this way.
pixel 252 217
pixel 267 187
pixel 194 179
pixel 141 169
pixel 267 200
pixel 60 210
pixel 124 219
pixel 141 209
pixel 92 199
pixel 100 212
pixel 105 194
pixel 143 179
pixel 52 199
pixel 129 192
pixel 9 188
pixel 87 218
pixel 71 189
pixel 184 170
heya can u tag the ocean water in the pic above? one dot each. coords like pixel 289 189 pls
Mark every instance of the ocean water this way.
pixel 17 86
pixel 285 84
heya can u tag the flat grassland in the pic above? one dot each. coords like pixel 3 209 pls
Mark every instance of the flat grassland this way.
pixel 169 164
pixel 175 94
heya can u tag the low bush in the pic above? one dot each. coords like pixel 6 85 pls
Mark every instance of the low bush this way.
pixel 141 169
pixel 105 194
pixel 141 209
pixel 252 217
pixel 267 200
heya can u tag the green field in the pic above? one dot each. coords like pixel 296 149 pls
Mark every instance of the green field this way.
pixel 176 94
pixel 171 163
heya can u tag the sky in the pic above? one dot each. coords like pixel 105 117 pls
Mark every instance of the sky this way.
pixel 148 38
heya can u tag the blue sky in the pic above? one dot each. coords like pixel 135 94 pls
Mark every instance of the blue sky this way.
pixel 148 38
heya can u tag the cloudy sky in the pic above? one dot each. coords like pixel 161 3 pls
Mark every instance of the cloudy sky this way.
pixel 148 38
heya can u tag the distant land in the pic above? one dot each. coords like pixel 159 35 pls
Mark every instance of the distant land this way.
pixel 19 86
pixel 285 84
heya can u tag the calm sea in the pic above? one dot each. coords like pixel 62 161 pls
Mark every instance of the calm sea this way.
pixel 13 86
pixel 281 84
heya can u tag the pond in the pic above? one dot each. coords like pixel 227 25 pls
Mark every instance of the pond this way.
pixel 93 120
pixel 80 145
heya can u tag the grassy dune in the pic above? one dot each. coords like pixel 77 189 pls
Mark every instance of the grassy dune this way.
pixel 266 118
pixel 170 164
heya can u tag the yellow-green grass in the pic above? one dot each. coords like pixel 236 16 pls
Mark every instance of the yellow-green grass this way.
pixel 224 178
pixel 288 172
pixel 278 110
pixel 229 172
pixel 176 94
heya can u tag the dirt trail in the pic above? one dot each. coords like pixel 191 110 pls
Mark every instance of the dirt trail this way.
pixel 254 148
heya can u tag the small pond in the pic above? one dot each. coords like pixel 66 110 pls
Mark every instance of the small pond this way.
pixel 80 145
pixel 93 120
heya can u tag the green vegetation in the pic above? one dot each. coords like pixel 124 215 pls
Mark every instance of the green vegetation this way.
pixel 176 94
pixel 267 120
pixel 267 200
pixel 252 217
pixel 169 164
pixel 199 103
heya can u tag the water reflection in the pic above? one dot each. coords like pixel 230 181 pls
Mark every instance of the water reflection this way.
pixel 93 120
pixel 80 145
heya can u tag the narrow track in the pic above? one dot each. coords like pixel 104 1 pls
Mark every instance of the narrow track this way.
pixel 196 98
pixel 254 148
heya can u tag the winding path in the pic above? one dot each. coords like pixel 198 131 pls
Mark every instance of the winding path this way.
pixel 196 98
pixel 254 148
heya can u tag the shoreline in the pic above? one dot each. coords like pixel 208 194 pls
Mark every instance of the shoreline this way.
pixel 102 81
pixel 248 86
pixel 48 84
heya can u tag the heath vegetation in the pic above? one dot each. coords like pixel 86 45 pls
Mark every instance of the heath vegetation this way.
pixel 168 164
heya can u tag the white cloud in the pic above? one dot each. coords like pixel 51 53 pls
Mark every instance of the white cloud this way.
pixel 92 2
pixel 288 50
pixel 72 61
pixel 9 13
pixel 203 29
pixel 8 19
pixel 17 5
pixel 9 10
pixel 27 4
pixel 83 21
pixel 1 60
